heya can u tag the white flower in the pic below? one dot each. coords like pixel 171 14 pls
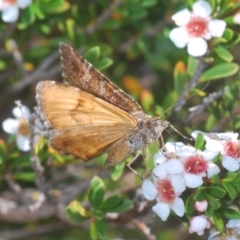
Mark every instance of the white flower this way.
pixel 235 225
pixel 195 28
pixel 227 145
pixel 236 18
pixel 19 126
pixel 201 206
pixel 198 224
pixel 165 189
pixel 10 9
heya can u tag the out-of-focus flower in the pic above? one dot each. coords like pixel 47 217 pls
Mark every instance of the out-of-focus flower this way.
pixel 166 189
pixel 195 28
pixel 227 145
pixel 198 224
pixel 10 9
pixel 236 18
pixel 201 206
pixel 234 226
pixel 19 126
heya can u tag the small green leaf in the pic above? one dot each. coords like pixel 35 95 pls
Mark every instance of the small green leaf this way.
pixel 228 34
pixel 189 207
pixel 117 171
pixel 236 178
pixel 223 53
pixel 93 230
pixel 76 212
pixel 199 196
pixel 102 229
pixel 98 214
pixel 25 176
pixel 111 202
pixel 103 63
pixel 148 3
pixel 125 205
pixel 213 202
pixel 216 179
pixel 96 192
pixel 209 212
pixel 192 65
pixel 230 213
pixel 92 54
pixel 215 191
pixel 220 71
pixel 219 223
pixel 230 189
pixel 199 143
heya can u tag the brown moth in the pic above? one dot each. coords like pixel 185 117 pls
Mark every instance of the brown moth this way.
pixel 90 115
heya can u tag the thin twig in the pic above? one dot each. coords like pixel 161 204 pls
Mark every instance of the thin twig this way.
pixel 191 84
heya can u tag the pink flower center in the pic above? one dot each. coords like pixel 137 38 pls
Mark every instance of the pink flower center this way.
pixel 7 3
pixel 195 164
pixel 197 27
pixel 232 149
pixel 165 191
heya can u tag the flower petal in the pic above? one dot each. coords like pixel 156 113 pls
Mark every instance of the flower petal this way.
pixel 209 155
pixel 24 3
pixel 201 206
pixel 216 27
pixel 233 223
pixel 178 183
pixel 23 112
pixel 174 166
pixel 159 171
pixel 198 224
pixel 149 190
pixel 10 14
pixel 159 158
pixel 10 125
pixel 162 210
pixel 202 9
pixel 23 143
pixel 230 163
pixel 174 146
pixel 214 145
pixel 212 236
pixel 178 206
pixel 182 17
pixel 193 180
pixel 228 136
pixel 197 47
pixel 179 37
pixel 213 169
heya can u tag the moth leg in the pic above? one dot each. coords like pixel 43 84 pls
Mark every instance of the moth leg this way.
pixel 132 161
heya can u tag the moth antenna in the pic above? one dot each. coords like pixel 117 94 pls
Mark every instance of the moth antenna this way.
pixel 175 130
pixel 177 103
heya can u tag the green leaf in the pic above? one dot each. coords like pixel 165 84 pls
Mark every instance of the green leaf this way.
pixel 70 27
pixel 92 54
pixel 117 171
pixel 199 143
pixel 148 3
pixel 223 53
pixel 213 202
pixel 76 212
pixel 219 223
pixel 93 230
pixel 111 202
pixel 98 214
pixel 179 77
pixel 192 65
pixel 103 63
pixel 102 229
pixel 27 17
pixel 215 191
pixel 96 192
pixel 199 196
pixel 230 213
pixel 25 176
pixel 220 71
pixel 216 179
pixel 230 189
pixel 189 207
pixel 125 205
pixel 209 212
pixel 228 34
pixel 236 179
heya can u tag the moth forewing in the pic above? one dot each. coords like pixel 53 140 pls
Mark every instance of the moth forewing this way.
pixel 91 115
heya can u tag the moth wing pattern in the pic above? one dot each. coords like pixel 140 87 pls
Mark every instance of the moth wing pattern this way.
pixel 78 122
pixel 80 73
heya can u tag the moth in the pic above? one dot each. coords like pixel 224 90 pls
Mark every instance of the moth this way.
pixel 89 115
